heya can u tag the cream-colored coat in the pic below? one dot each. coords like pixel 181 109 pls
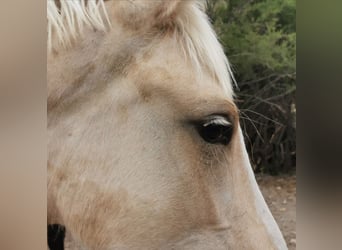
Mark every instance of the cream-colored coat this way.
pixel 126 167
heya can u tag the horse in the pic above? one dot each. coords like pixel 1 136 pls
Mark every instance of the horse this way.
pixel 145 150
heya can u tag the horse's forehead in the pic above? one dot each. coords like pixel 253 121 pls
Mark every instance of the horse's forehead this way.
pixel 165 69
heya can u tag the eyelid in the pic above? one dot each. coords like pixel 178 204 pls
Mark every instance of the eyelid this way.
pixel 217 120
pixel 227 111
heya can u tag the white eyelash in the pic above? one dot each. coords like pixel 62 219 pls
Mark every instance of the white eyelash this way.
pixel 217 120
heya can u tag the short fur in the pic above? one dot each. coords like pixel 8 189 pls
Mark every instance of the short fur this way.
pixel 127 168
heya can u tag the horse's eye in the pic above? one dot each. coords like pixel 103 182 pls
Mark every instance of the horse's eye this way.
pixel 215 129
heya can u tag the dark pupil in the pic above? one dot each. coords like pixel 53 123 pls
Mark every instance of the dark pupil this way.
pixel 214 133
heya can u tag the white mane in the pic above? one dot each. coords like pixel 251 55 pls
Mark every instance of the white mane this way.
pixel 66 21
pixel 202 46
pixel 200 43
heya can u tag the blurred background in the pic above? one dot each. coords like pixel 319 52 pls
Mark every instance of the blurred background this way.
pixel 319 137
pixel 259 39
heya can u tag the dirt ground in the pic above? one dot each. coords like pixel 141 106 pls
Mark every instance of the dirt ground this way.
pixel 280 194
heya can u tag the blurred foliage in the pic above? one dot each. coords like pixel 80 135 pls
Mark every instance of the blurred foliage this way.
pixel 259 38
